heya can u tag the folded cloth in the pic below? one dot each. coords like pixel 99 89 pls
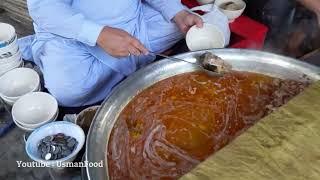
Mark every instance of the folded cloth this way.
pixel 190 3
pixel 252 33
pixel 25 47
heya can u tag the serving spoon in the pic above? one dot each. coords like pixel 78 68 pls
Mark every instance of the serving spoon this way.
pixel 210 68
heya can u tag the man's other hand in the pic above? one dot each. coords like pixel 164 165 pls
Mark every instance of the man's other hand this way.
pixel 185 20
pixel 119 43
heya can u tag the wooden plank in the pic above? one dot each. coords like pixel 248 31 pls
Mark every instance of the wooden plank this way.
pixel 18 11
pixel 21 29
pixel 284 145
pixel 310 54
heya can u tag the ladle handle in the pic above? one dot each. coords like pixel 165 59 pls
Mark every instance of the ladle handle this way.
pixel 178 59
pixel 171 58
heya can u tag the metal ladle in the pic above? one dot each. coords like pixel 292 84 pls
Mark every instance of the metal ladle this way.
pixel 209 68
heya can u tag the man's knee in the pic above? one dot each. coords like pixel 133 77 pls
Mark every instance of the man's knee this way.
pixel 69 96
pixel 74 86
pixel 67 71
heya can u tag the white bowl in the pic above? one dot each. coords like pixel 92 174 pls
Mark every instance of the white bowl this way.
pixel 9 66
pixel 8 101
pixel 9 50
pixel 31 128
pixel 18 82
pixel 202 2
pixel 207 37
pixel 231 14
pixel 15 57
pixel 35 108
pixel 69 129
pixel 35 126
pixel 7 33
pixel 11 100
pixel 23 128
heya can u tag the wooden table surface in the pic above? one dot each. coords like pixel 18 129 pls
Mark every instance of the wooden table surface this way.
pixel 284 145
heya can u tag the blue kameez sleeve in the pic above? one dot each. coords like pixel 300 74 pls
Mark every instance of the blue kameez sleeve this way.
pixel 58 17
pixel 168 8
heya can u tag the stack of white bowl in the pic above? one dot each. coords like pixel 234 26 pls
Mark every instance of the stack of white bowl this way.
pixel 34 110
pixel 18 82
pixel 10 57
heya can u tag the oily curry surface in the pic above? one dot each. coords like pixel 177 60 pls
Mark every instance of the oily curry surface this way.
pixel 169 128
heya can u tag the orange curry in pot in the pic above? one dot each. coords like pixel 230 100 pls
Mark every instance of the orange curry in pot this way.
pixel 169 128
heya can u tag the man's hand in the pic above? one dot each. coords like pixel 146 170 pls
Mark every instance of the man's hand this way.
pixel 185 20
pixel 119 43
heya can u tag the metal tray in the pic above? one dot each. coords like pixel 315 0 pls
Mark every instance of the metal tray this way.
pixel 242 60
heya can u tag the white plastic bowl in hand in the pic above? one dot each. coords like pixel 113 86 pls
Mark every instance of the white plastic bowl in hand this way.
pixel 203 2
pixel 231 14
pixel 17 83
pixel 67 128
pixel 207 37
pixel 36 108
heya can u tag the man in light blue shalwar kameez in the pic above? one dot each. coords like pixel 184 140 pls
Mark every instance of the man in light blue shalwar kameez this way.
pixel 85 47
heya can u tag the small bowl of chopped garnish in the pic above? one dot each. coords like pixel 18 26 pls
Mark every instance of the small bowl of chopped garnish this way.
pixel 231 8
pixel 55 143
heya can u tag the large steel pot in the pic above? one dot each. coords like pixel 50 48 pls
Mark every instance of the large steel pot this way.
pixel 244 60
